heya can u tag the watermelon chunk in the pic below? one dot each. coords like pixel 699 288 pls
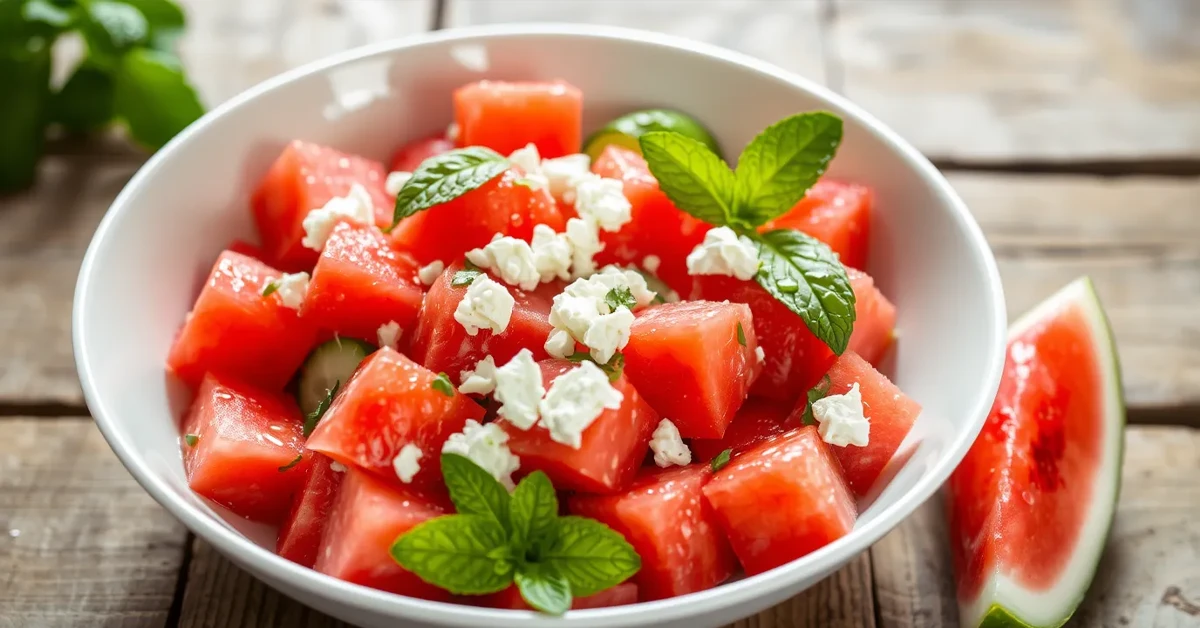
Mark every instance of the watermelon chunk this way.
pixel 506 116
pixel 442 344
pixel 304 178
pixel 656 228
pixel 233 330
pixel 875 318
pixel 758 420
pixel 1031 504
pixel 247 249
pixel 612 447
pixel 836 213
pixel 388 403
pixel 366 518
pixel 782 500
pixel 686 360
pixel 360 282
pixel 300 533
pixel 510 598
pixel 413 153
pixel 246 444
pixel 664 516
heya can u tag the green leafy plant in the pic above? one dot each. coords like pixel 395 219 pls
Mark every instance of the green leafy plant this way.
pixel 130 74
pixel 497 540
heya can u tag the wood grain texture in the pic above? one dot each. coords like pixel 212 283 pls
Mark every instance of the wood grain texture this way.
pixel 1147 576
pixel 843 600
pixel 998 81
pixel 80 542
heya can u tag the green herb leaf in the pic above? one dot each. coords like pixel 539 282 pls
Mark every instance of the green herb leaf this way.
pixel 614 367
pixel 442 384
pixel 111 28
pixel 694 178
pixel 534 511
pixel 153 97
pixel 463 554
pixel 295 461
pixel 721 460
pixel 620 297
pixel 314 417
pixel 816 392
pixel 465 276
pixel 741 334
pixel 544 588
pixel 474 491
pixel 783 162
pixel 85 101
pixel 166 21
pixel 191 439
pixel 45 12
pixel 590 555
pixel 270 288
pixel 25 65
pixel 447 176
pixel 823 297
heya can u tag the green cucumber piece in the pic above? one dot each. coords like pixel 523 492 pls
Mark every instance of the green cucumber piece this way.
pixel 625 130
pixel 330 363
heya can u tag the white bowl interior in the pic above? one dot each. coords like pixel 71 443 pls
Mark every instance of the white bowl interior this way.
pixel 155 247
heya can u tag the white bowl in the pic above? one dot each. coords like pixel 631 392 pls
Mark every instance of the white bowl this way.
pixel 150 255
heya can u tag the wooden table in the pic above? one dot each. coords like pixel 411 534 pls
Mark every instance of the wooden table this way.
pixel 1074 138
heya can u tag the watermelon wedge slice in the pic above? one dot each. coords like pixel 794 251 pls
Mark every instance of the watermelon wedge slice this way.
pixel 1031 504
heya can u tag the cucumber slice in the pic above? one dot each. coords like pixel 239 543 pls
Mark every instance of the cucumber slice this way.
pixel 330 363
pixel 625 130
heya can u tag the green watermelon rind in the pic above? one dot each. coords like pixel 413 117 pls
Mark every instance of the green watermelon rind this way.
pixel 1082 290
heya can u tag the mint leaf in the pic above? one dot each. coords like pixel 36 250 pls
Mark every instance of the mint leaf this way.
pixel 442 384
pixel 590 555
pixel 822 295
pixel 544 588
pixel 474 491
pixel 694 178
pixel 463 554
pixel 465 276
pixel 111 28
pixel 721 460
pixel 447 176
pixel 295 461
pixel 782 163
pixel 191 439
pixel 620 297
pixel 153 97
pixel 741 334
pixel 314 417
pixel 534 510
pixel 816 392
pixel 614 367
pixel 85 101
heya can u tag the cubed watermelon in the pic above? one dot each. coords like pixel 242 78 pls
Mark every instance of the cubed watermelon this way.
pixel 506 116
pixel 836 213
pixel 688 359
pixel 782 500
pixel 300 533
pixel 233 330
pixel 391 402
pixel 409 156
pixel 247 249
pixel 510 598
pixel 664 516
pixel 366 519
pixel 612 447
pixel 758 419
pixel 360 282
pixel 240 448
pixel 875 318
pixel 304 178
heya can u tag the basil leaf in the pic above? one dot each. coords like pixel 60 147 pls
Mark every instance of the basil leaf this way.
pixel 85 101
pixel 314 417
pixel 447 176
pixel 534 511
pixel 782 163
pixel 442 384
pixel 721 460
pixel 111 28
pixel 544 588
pixel 816 392
pixel 590 555
pixel 817 287
pixel 474 491
pixel 620 297
pixel 695 179
pixel 153 97
pixel 463 554
pixel 165 19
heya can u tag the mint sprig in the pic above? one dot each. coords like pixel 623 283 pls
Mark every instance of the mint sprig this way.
pixel 620 297
pixel 783 162
pixel 445 177
pixel 800 272
pixel 691 175
pixel 498 539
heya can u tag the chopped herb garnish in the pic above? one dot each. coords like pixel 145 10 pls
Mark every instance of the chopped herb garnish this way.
pixel 816 392
pixel 741 334
pixel 721 460
pixel 442 384
pixel 620 297
pixel 613 368
pixel 310 421
pixel 191 439
pixel 465 276
pixel 270 288
pixel 295 461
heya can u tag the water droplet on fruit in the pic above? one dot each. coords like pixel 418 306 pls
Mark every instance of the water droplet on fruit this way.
pixel 1028 497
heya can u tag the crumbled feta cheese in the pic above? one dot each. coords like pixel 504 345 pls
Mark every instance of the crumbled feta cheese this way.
pixel 510 258
pixel 292 289
pixel 319 223
pixel 389 334
pixel 452 132
pixel 651 263
pixel 607 334
pixel 560 344
pixel 527 159
pixel 337 467
pixel 519 388
pixel 841 419
pixel 481 380
pixel 395 182
pixel 758 351
pixel 551 253
pixel 406 462
pixel 486 446
pixel 585 244
pixel 576 399
pixel 669 449
pixel 486 305
pixel 723 252
pixel 582 311
pixel 561 172
pixel 431 271
pixel 602 201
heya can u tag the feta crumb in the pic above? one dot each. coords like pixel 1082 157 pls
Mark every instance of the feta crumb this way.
pixel 519 388
pixel 561 172
pixel 486 305
pixel 669 449
pixel 841 419
pixel 585 244
pixel 576 399
pixel 452 132
pixel 431 271
pixel 395 182
pixel 651 263
pixel 337 467
pixel 551 253
pixel 486 446
pixel 762 355
pixel 319 223
pixel 527 158
pixel 560 344
pixel 481 380
pixel 602 201
pixel 406 462
pixel 510 258
pixel 292 289
pixel 607 334
pixel 389 334
pixel 723 252
pixel 582 311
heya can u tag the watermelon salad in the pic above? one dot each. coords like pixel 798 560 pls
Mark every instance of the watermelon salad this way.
pixel 522 369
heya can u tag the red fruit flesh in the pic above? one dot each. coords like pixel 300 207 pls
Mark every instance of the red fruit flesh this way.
pixel 300 534
pixel 505 116
pixel 758 420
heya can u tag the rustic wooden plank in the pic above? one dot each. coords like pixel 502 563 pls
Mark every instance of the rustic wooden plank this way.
pixel 80 542
pixel 999 81
pixel 784 32
pixel 1147 576
pixel 843 600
